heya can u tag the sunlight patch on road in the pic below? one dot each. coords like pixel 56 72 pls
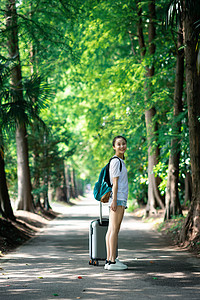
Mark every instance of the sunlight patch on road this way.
pixel 169 275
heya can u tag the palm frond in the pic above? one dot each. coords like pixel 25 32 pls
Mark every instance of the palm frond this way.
pixel 174 12
pixel 12 112
pixel 5 68
pixel 37 92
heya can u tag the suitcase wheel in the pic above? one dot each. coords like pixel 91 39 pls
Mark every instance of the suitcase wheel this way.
pixel 93 262
pixel 96 263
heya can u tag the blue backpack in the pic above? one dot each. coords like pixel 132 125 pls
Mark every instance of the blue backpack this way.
pixel 103 187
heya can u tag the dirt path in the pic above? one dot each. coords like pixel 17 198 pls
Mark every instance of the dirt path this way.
pixel 48 266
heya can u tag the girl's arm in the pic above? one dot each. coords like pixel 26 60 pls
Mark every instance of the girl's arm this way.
pixel 115 188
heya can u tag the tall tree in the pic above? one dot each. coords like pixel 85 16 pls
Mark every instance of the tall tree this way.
pixel 172 201
pixel 153 192
pixel 191 18
pixel 25 201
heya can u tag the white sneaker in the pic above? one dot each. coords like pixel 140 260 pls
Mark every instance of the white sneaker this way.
pixel 116 267
pixel 118 262
pixel 106 266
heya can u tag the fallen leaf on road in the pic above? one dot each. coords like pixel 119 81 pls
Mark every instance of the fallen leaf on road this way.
pixel 40 277
pixel 152 262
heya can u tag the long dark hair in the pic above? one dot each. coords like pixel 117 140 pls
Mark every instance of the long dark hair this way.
pixel 119 137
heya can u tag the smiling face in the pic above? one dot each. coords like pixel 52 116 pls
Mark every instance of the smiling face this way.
pixel 120 147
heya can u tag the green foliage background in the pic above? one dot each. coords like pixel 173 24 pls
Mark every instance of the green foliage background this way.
pixel 92 88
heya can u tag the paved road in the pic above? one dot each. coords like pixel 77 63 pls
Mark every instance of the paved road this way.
pixel 48 266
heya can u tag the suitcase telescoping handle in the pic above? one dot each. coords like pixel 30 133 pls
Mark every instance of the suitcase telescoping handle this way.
pixel 100 212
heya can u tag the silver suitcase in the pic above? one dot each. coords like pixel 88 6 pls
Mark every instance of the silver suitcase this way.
pixel 97 236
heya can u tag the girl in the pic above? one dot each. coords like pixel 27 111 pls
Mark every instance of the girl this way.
pixel 117 203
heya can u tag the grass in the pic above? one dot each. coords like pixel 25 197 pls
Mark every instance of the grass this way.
pixel 173 225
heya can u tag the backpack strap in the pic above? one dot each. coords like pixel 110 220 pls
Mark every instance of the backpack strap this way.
pixel 120 168
pixel 107 173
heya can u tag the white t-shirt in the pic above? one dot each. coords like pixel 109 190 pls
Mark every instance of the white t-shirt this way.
pixel 122 192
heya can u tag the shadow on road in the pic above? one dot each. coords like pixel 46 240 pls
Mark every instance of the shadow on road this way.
pixel 55 264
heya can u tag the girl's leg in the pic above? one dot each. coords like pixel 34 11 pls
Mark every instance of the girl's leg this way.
pixel 115 220
pixel 108 243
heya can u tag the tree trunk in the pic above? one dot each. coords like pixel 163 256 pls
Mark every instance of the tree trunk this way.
pixel 188 188
pixel 46 174
pixel 36 181
pixel 25 200
pixel 140 31
pixel 66 167
pixel 61 194
pixel 173 206
pixel 191 229
pixel 153 192
pixel 36 175
pixel 5 205
pixel 46 191
pixel 61 191
pixel 73 184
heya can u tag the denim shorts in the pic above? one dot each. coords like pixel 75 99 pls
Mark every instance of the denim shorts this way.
pixel 119 203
